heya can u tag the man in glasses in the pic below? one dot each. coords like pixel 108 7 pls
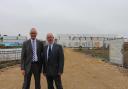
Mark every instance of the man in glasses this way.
pixel 53 63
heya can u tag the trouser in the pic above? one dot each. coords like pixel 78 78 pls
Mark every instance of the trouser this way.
pixel 27 77
pixel 52 79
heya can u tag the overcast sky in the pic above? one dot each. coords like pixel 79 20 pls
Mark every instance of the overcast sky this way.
pixel 64 16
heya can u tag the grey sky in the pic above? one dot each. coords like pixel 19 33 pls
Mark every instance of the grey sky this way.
pixel 64 16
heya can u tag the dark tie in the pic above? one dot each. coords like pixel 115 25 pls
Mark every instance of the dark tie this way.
pixel 49 52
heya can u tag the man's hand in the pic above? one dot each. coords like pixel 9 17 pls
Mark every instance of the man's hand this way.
pixel 60 74
pixel 23 72
pixel 44 74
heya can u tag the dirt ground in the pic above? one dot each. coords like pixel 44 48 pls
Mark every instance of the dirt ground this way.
pixel 81 72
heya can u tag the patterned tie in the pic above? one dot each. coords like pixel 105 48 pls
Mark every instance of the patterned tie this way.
pixel 33 51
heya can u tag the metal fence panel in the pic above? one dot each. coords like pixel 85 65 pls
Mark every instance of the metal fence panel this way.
pixel 10 54
pixel 115 51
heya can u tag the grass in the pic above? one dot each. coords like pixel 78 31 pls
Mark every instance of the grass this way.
pixel 100 53
pixel 4 64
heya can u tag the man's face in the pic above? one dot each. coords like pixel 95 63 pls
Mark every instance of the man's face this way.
pixel 50 39
pixel 33 34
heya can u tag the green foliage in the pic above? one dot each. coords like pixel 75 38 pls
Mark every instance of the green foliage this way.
pixel 99 52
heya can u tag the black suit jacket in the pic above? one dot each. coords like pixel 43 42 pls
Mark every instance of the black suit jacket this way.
pixel 55 64
pixel 26 55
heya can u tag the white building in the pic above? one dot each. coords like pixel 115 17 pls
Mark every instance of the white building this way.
pixel 85 40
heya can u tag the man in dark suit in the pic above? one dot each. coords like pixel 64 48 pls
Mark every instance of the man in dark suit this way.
pixel 53 63
pixel 31 60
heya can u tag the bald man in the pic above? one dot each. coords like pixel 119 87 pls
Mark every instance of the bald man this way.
pixel 31 61
pixel 53 63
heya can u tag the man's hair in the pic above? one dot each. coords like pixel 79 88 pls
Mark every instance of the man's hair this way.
pixel 33 29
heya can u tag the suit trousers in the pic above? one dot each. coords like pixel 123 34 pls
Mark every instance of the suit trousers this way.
pixel 27 78
pixel 52 79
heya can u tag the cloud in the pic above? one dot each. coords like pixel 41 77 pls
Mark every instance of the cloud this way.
pixel 64 16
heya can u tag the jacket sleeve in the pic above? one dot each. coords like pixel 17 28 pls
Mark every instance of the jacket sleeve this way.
pixel 44 64
pixel 61 59
pixel 23 56
pixel 42 49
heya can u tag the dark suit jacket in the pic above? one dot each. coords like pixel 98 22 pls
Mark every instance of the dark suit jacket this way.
pixel 55 64
pixel 26 55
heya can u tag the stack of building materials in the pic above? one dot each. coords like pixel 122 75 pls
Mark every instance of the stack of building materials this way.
pixel 115 51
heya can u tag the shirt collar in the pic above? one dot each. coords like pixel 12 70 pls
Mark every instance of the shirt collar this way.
pixel 51 44
pixel 33 40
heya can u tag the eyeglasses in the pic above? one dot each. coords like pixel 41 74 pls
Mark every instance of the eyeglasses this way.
pixel 50 37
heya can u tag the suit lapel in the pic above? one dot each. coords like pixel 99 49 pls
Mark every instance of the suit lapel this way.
pixel 53 48
pixel 30 45
pixel 46 51
pixel 37 46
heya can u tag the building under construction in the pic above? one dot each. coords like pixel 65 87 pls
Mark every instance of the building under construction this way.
pixel 86 40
